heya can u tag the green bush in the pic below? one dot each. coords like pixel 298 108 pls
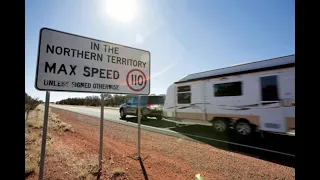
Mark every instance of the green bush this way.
pixel 31 103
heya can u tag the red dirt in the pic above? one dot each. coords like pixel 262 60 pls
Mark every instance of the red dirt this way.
pixel 164 157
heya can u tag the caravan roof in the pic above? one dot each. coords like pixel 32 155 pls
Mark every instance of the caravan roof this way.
pixel 275 63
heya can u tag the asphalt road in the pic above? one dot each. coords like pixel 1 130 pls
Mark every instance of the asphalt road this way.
pixel 272 147
pixel 114 116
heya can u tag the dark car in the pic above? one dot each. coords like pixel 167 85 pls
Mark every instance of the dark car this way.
pixel 151 106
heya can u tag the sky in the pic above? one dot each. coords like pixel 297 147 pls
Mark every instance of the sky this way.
pixel 183 36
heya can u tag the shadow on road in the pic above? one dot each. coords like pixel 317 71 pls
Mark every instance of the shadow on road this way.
pixel 151 122
pixel 281 143
pixel 143 169
pixel 206 134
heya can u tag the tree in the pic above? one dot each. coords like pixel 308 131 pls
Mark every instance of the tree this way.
pixel 30 103
pixel 164 95
pixel 109 99
pixel 107 96
pixel 27 98
pixel 117 99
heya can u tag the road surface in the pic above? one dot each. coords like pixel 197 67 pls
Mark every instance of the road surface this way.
pixel 114 116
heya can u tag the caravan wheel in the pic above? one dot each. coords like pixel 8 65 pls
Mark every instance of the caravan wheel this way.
pixel 220 125
pixel 243 128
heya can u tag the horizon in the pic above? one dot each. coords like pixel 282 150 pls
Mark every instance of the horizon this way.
pixel 252 30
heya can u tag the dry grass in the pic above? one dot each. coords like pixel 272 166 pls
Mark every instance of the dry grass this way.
pixel 30 168
pixel 35 124
pixel 31 160
pixel 117 172
pixel 55 124
pixel 32 142
pixel 33 137
pixel 85 167
pixel 65 127
pixel 30 138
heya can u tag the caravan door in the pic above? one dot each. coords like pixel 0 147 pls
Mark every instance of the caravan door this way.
pixel 270 110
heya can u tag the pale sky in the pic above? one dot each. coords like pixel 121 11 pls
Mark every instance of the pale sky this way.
pixel 183 36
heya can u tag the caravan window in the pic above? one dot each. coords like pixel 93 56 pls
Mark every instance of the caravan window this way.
pixel 228 89
pixel 184 89
pixel 184 94
pixel 269 88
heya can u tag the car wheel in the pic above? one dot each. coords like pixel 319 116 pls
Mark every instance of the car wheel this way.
pixel 220 126
pixel 122 114
pixel 243 128
pixel 159 118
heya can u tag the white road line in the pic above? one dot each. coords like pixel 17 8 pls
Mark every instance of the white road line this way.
pixel 174 132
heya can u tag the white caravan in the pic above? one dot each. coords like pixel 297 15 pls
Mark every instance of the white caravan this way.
pixel 253 96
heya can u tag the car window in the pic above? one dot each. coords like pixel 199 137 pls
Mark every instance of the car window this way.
pixel 156 100
pixel 135 100
pixel 144 100
pixel 130 100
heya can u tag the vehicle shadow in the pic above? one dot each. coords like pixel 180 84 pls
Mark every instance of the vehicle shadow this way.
pixel 206 134
pixel 280 143
pixel 151 122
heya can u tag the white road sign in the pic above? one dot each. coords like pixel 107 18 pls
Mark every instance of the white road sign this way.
pixel 68 62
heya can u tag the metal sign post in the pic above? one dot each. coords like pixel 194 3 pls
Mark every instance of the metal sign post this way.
pixel 101 134
pixel 139 121
pixel 44 135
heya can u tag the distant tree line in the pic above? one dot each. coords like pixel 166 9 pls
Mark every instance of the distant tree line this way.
pixel 31 103
pixel 109 100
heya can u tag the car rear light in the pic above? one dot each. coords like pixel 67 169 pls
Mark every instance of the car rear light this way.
pixel 150 106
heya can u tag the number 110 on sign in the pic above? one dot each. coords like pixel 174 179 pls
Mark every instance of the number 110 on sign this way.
pixel 136 80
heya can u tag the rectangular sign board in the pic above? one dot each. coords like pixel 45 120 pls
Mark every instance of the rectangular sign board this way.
pixel 72 63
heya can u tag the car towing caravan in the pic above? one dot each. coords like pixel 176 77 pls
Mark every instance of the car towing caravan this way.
pixel 253 96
